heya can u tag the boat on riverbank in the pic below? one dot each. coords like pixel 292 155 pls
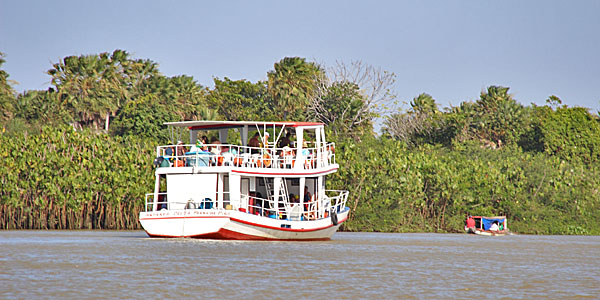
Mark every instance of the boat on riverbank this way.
pixel 272 190
pixel 484 226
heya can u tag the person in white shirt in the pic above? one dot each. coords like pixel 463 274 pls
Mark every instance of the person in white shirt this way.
pixel 494 226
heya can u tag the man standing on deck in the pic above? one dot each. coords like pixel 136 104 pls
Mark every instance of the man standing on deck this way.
pixel 470 224
pixel 254 143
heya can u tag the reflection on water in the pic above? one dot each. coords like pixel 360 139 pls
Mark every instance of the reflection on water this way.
pixel 122 264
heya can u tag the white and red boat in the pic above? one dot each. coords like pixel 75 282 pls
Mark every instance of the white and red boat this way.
pixel 223 189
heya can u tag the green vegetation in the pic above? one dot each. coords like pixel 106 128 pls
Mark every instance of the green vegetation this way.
pixel 63 179
pixel 79 155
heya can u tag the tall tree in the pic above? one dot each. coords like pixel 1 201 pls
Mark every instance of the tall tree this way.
pixel 359 92
pixel 7 93
pixel 498 118
pixel 376 85
pixel 424 103
pixel 423 123
pixel 292 84
pixel 339 106
pixel 162 99
pixel 241 100
pixel 93 87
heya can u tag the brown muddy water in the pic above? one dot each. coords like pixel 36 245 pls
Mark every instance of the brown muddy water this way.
pixel 128 265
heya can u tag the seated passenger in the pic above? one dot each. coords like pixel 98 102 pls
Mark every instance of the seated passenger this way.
pixel 215 149
pixel 203 143
pixel 181 149
pixel 494 226
pixel 285 142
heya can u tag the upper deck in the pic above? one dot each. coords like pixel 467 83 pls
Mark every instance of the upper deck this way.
pixel 276 148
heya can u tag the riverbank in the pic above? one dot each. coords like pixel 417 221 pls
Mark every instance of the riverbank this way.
pixel 62 179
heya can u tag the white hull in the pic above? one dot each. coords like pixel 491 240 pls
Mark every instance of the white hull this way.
pixel 488 232
pixel 230 224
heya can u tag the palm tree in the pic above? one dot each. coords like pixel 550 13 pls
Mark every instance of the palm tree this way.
pixel 498 118
pixel 292 84
pixel 93 87
pixel 424 103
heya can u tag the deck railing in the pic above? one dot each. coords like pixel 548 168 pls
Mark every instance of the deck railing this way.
pixel 282 209
pixel 228 155
pixel 338 200
pixel 162 203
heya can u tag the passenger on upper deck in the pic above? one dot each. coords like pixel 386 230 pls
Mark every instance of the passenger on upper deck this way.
pixel 203 143
pixel 265 140
pixel 285 141
pixel 181 150
pixel 215 149
pixel 254 142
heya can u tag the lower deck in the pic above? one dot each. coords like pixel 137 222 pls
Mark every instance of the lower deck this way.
pixel 281 198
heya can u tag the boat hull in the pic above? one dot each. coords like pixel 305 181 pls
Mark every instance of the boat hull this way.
pixel 487 232
pixel 234 225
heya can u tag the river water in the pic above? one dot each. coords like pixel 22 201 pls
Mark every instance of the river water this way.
pixel 127 264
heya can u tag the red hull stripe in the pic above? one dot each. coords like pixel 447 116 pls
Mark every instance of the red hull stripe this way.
pixel 298 173
pixel 224 234
pixel 283 229
pixel 170 218
pixel 250 223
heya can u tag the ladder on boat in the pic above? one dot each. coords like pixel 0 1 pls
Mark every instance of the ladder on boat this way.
pixel 283 193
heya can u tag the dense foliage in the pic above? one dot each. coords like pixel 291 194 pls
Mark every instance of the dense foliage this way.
pixel 432 188
pixel 63 179
pixel 79 154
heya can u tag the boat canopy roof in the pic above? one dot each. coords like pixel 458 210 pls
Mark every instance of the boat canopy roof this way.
pixel 487 221
pixel 208 125
pixel 490 218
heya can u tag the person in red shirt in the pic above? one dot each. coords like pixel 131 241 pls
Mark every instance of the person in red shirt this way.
pixel 470 228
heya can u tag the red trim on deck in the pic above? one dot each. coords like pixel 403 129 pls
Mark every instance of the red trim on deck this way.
pixel 261 124
pixel 289 174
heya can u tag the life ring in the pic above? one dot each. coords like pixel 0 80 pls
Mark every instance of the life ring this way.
pixel 334 219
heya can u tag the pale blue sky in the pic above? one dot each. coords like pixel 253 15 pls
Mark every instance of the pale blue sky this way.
pixel 449 49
